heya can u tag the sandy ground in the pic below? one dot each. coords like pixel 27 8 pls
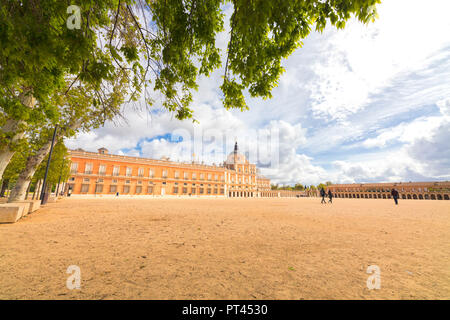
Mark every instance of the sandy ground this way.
pixel 228 249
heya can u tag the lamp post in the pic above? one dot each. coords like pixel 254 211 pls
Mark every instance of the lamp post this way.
pixel 44 195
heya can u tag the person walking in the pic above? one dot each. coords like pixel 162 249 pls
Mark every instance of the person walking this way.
pixel 323 194
pixel 330 196
pixel 395 195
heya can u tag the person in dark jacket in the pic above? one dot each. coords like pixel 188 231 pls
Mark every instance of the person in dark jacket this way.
pixel 330 196
pixel 323 194
pixel 395 195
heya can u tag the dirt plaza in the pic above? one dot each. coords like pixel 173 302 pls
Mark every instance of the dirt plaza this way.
pixel 273 248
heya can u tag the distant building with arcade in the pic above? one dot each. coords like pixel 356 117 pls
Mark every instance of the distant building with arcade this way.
pixel 434 190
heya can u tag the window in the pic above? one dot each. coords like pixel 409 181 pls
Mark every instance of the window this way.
pixel 215 191
pixel 88 168
pixel 193 190
pixel 194 176
pixel 127 181
pixel 102 170
pixel 216 177
pixel 72 179
pixel 186 176
pixel 99 180
pixel 177 175
pixel 116 171
pixel 129 171
pixel 209 190
pixel 222 191
pixel 201 190
pixel 86 180
pixel 150 190
pixel 99 188
pixel 184 190
pixel 151 173
pixel 113 188
pixel 126 189
pixel 74 167
pixel 114 181
pixel 140 172
pixel 202 176
pixel 209 176
pixel 139 182
pixel 164 174
pixel 150 182
pixel 138 189
pixel 84 188
pixel 175 189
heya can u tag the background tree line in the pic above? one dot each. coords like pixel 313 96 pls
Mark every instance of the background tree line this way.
pixel 300 187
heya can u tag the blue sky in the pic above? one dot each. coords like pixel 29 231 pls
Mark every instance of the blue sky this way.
pixel 368 103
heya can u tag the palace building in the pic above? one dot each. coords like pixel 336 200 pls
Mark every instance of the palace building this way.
pixel 101 174
pixel 407 190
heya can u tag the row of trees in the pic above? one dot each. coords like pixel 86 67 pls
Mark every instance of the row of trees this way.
pixel 75 72
pixel 300 187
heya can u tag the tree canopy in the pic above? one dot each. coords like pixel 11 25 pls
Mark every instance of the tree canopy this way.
pixel 167 43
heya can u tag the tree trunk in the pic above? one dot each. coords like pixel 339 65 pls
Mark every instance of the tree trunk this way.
pixel 18 193
pixel 5 184
pixel 28 191
pixel 36 190
pixel 14 127
pixel 6 153
pixel 38 195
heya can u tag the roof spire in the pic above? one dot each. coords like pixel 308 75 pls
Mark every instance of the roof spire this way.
pixel 236 148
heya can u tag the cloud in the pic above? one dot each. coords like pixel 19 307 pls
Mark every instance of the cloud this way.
pixel 434 151
pixel 363 60
pixel 444 107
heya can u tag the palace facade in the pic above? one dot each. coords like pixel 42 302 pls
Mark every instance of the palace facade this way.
pixel 407 190
pixel 101 174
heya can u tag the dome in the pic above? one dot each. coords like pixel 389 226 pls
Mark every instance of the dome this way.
pixel 240 158
pixel 235 157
